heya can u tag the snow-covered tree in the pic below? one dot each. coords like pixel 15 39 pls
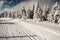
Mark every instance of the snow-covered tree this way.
pixel 23 13
pixel 45 12
pixel 37 12
pixel 54 12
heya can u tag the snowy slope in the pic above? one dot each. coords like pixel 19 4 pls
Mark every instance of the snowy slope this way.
pixel 46 30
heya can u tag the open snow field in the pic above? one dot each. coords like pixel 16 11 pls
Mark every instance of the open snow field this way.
pixel 46 30
pixel 16 29
pixel 10 30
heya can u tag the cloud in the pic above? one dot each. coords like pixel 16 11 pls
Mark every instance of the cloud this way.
pixel 1 3
pixel 10 3
pixel 27 3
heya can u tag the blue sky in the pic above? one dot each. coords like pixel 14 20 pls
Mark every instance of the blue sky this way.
pixel 12 3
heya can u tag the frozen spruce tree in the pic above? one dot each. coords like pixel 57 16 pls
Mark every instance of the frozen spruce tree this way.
pixel 37 12
pixel 5 14
pixel 23 13
pixel 45 13
pixel 10 14
pixel 32 12
pixel 57 13
pixel 28 13
pixel 54 15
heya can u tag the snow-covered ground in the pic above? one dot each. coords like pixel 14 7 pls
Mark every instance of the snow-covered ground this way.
pixel 45 30
pixel 16 31
pixel 5 19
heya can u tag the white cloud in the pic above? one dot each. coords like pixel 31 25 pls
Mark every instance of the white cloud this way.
pixel 29 3
pixel 1 3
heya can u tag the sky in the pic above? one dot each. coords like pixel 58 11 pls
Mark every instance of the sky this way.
pixel 12 3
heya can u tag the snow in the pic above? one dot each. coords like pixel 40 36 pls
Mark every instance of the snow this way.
pixel 9 30
pixel 6 19
pixel 44 29
pixel 47 30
